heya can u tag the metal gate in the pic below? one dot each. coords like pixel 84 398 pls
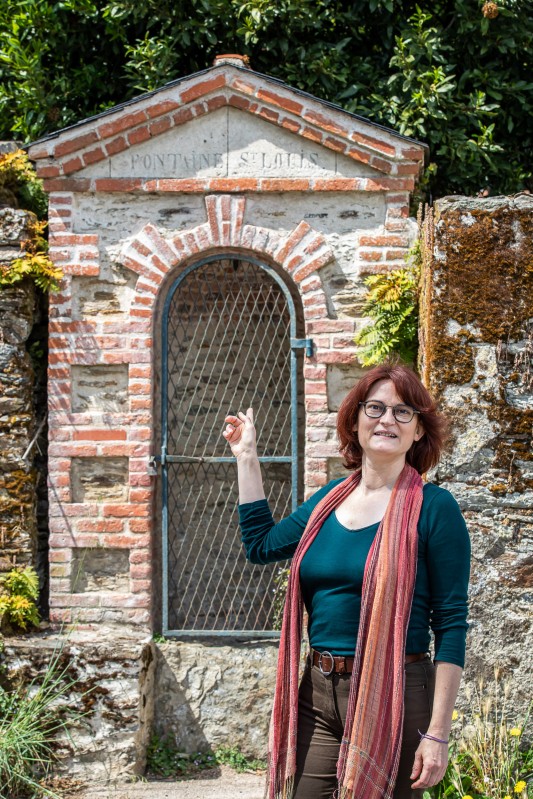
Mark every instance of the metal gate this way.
pixel 228 343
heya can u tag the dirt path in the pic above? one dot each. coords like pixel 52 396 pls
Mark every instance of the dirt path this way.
pixel 221 783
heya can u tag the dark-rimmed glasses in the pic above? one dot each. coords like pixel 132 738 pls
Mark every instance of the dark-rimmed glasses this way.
pixel 375 409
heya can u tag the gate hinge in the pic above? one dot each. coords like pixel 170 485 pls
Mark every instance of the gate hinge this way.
pixel 153 463
pixel 301 343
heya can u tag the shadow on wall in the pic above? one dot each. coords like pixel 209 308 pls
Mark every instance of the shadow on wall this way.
pixel 208 696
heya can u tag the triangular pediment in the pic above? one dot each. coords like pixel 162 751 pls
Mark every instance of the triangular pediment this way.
pixel 226 123
pixel 228 143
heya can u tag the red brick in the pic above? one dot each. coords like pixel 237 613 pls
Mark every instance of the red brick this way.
pixel 324 122
pixel 99 435
pixel 59 555
pixel 268 114
pixel 162 107
pixel 71 239
pixel 127 541
pixel 63 184
pixel 313 265
pixel 290 124
pixel 315 372
pixel 284 184
pixel 408 169
pixel 334 144
pixel 292 241
pixel 139 556
pixel 160 126
pixel 331 326
pixel 233 184
pixel 338 184
pixel 139 135
pixel 281 101
pixel 342 356
pixel 242 85
pixel 316 404
pixel 370 255
pixel 139 525
pixel 216 102
pixel 138 571
pixel 82 270
pixel 413 153
pixel 135 510
pixel 395 255
pixel 358 155
pixel 182 116
pixel 315 387
pixel 235 101
pixel 118 184
pixel 381 164
pixel 93 156
pixel 78 143
pixel 72 165
pixel 108 129
pixel 117 145
pixel 386 184
pixel 99 526
pixel 140 480
pixel 202 88
pixel 72 450
pixel 309 133
pixel 383 241
pixel 61 199
pixel 375 144
pixel 47 171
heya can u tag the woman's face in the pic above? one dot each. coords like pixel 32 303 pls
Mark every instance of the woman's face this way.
pixel 385 438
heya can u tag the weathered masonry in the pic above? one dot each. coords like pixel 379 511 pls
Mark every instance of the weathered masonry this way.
pixel 213 235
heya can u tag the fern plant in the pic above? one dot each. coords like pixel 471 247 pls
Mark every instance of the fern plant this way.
pixel 392 305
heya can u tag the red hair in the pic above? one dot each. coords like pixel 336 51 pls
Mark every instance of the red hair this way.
pixel 424 453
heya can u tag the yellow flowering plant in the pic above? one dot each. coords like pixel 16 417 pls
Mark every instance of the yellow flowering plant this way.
pixel 487 758
pixel 19 590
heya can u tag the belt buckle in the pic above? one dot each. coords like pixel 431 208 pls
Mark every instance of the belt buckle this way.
pixel 332 669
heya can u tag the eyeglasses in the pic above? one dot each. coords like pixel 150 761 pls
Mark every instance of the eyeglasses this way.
pixel 375 409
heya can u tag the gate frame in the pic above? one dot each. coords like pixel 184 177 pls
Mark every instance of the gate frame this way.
pixel 164 458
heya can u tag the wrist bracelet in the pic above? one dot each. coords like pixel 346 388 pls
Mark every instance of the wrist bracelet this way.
pixel 432 737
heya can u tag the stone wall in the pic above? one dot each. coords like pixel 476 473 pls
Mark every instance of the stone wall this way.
pixel 18 479
pixel 477 353
pixel 109 680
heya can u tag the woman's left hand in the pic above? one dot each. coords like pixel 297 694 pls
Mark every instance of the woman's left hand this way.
pixel 431 760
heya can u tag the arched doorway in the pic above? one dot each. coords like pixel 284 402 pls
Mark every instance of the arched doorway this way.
pixel 229 341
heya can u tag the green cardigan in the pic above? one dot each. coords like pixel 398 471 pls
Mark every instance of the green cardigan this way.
pixel 332 571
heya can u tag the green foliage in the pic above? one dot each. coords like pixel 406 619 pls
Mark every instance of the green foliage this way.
pixel 231 756
pixel 30 719
pixel 392 305
pixel 442 71
pixel 164 759
pixel 20 187
pixel 20 590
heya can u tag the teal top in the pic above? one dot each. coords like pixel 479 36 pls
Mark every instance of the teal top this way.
pixel 332 569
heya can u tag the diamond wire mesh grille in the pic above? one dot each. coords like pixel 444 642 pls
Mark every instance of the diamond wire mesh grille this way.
pixel 228 349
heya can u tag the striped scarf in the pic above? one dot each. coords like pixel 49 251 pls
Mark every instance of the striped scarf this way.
pixel 370 749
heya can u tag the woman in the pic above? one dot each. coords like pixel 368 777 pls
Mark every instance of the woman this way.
pixel 378 559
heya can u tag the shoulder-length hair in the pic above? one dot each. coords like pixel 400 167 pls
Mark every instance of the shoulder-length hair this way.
pixel 424 453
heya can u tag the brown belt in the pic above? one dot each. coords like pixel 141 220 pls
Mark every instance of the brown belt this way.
pixel 338 664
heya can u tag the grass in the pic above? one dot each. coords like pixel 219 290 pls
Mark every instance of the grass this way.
pixel 31 717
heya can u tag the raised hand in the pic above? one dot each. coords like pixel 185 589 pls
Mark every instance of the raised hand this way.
pixel 240 434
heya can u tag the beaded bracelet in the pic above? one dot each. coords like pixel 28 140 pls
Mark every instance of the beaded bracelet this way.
pixel 432 737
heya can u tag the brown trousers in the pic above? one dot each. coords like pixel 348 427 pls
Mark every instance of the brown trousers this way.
pixel 322 708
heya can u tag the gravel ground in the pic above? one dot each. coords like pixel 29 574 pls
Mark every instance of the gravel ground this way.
pixel 221 783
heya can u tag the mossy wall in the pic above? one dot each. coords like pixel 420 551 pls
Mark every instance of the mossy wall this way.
pixel 18 478
pixel 476 357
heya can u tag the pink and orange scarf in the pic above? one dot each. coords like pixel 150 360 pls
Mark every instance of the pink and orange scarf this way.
pixel 370 749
